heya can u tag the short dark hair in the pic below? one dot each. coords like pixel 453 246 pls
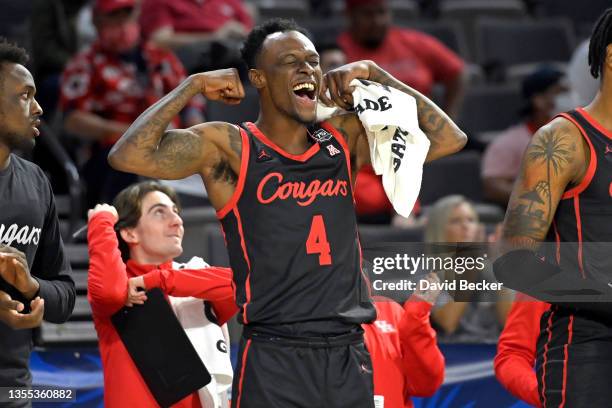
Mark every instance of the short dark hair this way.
pixel 12 54
pixel 129 207
pixel 252 45
pixel 600 38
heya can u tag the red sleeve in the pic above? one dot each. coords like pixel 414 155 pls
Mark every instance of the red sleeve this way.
pixel 241 15
pixel 370 196
pixel 516 350
pixel 76 85
pixel 442 61
pixel 154 14
pixel 107 278
pixel 423 359
pixel 213 284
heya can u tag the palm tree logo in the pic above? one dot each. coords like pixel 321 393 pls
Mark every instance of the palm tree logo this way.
pixel 554 153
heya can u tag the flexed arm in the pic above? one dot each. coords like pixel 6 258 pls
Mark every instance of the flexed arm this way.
pixel 148 149
pixel 445 136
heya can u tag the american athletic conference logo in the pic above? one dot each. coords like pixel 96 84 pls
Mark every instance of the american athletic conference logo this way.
pixel 321 135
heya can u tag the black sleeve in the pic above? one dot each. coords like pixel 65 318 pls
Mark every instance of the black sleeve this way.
pixel 51 269
pixel 523 270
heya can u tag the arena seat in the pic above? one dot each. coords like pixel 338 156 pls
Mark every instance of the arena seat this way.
pixel 489 108
pixel 512 44
pixel 449 33
pixel 467 12
pixel 455 174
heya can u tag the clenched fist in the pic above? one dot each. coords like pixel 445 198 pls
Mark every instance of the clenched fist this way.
pixel 337 82
pixel 102 208
pixel 221 85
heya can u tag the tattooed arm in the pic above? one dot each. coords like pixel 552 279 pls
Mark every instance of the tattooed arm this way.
pixel 445 136
pixel 148 149
pixel 556 157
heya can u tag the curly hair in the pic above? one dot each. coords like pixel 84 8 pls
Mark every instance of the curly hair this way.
pixel 252 45
pixel 601 37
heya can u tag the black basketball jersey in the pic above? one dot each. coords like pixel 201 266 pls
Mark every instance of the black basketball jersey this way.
pixel 291 234
pixel 582 224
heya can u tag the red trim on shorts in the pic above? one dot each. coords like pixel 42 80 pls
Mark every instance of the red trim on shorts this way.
pixel 244 164
pixel 548 328
pixel 312 150
pixel 579 231
pixel 592 162
pixel 570 328
pixel 247 284
pixel 595 123
pixel 244 357
pixel 558 242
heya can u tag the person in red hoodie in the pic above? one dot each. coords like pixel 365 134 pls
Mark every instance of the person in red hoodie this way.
pixel 516 349
pixel 406 360
pixel 144 228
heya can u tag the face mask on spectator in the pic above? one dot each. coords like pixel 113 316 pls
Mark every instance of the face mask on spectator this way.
pixel 120 38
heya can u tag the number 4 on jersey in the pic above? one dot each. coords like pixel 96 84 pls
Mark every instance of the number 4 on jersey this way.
pixel 317 241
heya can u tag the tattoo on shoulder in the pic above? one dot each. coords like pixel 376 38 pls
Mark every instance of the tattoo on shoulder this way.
pixel 235 140
pixel 233 135
pixel 531 213
pixel 553 149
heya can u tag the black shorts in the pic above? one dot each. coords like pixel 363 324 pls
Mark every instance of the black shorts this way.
pixel 574 359
pixel 282 372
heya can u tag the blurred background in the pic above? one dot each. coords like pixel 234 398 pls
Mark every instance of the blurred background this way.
pixel 500 68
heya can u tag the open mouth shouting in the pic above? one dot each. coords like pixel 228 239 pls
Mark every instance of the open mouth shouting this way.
pixel 305 93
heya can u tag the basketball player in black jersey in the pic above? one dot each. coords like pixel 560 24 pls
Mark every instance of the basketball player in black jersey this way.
pixel 564 196
pixel 282 187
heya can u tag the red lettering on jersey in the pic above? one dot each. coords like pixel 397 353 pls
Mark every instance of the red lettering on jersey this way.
pixel 303 193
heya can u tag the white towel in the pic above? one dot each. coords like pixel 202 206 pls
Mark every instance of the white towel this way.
pixel 210 341
pixel 398 147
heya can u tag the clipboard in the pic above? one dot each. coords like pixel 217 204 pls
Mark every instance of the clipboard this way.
pixel 160 349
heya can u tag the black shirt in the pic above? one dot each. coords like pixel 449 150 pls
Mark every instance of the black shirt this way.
pixel 291 234
pixel 582 224
pixel 28 222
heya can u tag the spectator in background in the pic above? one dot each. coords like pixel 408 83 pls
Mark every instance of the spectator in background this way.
pixel 582 84
pixel 54 28
pixel 501 163
pixel 406 360
pixel 34 270
pixel 331 56
pixel 516 349
pixel 213 27
pixel 138 238
pixel 105 88
pixel 413 57
pixel 475 318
